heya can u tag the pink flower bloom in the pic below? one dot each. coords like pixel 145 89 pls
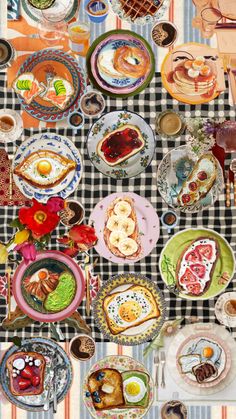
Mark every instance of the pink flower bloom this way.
pixel 27 250
pixel 55 204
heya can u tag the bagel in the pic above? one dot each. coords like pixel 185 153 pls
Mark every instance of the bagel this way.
pixel 131 61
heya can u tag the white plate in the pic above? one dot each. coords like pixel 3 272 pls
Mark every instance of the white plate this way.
pixel 59 144
pixel 221 315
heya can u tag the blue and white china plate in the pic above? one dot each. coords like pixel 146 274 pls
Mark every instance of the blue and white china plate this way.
pixel 174 168
pixel 59 144
pixel 63 372
pixel 135 164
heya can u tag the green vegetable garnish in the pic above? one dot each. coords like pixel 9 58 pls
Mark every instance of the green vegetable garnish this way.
pixel 59 87
pixel 24 84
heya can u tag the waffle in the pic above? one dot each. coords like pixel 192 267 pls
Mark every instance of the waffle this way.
pixel 140 8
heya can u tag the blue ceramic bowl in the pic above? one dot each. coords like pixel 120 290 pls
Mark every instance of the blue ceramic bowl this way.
pixel 96 10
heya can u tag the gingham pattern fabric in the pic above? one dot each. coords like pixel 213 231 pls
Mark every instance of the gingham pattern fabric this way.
pixel 94 186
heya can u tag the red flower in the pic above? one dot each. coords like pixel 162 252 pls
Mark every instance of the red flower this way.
pixel 82 234
pixel 39 219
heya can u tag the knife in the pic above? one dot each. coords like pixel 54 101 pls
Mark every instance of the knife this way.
pixel 55 385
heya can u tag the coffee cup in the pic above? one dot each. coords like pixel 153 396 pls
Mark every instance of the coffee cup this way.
pixel 7 54
pixel 7 123
pixel 82 347
pixel 97 10
pixel 230 307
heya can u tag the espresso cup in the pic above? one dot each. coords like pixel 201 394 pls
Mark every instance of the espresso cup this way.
pixel 7 123
pixel 7 54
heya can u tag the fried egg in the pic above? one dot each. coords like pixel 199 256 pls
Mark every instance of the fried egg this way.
pixel 40 275
pixel 134 389
pixel 44 168
pixel 208 350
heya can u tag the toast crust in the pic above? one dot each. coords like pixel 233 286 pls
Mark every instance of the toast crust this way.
pixel 122 159
pixel 208 283
pixel 114 378
pixel 135 235
pixel 16 90
pixel 9 365
pixel 115 330
pixel 19 171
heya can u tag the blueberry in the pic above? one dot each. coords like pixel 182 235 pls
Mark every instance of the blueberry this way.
pixel 97 400
pixel 95 394
pixel 102 374
pixel 99 377
pixel 87 394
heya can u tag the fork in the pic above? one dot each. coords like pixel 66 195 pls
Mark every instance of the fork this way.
pixel 233 168
pixel 163 361
pixel 156 363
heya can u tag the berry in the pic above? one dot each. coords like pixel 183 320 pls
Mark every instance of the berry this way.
pixel 97 400
pixel 202 175
pixel 95 394
pixel 186 198
pixel 35 381
pixel 24 384
pixel 87 394
pixel 27 372
pixel 192 186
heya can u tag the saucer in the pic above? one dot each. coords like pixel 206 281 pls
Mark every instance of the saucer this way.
pixel 220 313
pixel 7 137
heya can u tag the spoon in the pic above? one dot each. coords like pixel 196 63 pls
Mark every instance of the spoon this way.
pixel 233 169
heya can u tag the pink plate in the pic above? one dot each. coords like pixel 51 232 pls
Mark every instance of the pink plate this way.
pixel 148 222
pixel 67 312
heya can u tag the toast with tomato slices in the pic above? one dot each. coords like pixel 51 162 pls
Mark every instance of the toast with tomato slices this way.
pixel 196 265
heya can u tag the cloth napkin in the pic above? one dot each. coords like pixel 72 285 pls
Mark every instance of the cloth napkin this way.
pixel 13 9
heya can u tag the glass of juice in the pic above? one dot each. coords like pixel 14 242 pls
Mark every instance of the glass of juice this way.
pixel 79 34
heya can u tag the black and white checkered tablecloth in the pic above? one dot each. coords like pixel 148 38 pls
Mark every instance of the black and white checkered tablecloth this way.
pixel 95 186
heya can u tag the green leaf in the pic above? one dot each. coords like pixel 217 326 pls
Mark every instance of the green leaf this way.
pixel 17 341
pixel 17 224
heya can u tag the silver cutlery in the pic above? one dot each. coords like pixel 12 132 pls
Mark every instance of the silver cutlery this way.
pixel 46 405
pixel 233 169
pixel 55 384
pixel 156 363
pixel 163 361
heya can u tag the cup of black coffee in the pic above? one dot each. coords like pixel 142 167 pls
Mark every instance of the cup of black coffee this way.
pixel 174 409
pixel 7 54
pixel 82 347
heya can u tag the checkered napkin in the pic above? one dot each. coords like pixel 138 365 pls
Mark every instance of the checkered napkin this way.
pixel 13 9
pixel 94 186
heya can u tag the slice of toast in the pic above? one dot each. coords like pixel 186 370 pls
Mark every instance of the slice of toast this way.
pixel 199 182
pixel 204 371
pixel 112 397
pixel 59 92
pixel 137 296
pixel 136 382
pixel 22 380
pixel 187 362
pixel 122 144
pixel 27 86
pixel 134 236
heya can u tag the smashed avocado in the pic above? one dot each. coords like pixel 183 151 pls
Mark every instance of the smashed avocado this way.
pixel 41 4
pixel 63 295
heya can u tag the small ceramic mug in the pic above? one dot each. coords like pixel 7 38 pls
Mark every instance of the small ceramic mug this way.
pixel 92 103
pixel 97 10
pixel 7 54
pixel 76 120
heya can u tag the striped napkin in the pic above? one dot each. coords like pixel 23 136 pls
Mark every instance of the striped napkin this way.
pixel 13 9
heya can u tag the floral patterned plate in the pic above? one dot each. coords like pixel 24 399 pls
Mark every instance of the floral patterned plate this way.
pixel 223 270
pixel 174 169
pixel 59 144
pixel 138 334
pixel 53 354
pixel 46 64
pixel 135 164
pixel 147 219
pixel 121 363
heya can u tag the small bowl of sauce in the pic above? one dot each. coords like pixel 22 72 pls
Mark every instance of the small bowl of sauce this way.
pixel 169 220
pixel 76 120
pixel 164 34
pixel 82 347
pixel 170 124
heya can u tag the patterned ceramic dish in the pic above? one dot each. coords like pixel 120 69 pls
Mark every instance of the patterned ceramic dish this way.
pixel 147 220
pixel 122 86
pixel 17 131
pixel 44 65
pixel 137 163
pixel 143 20
pixel 59 144
pixel 173 170
pixel 174 248
pixel 121 363
pixel 222 316
pixel 63 370
pixel 212 345
pixel 52 264
pixel 137 334
pixel 36 15
pixel 200 83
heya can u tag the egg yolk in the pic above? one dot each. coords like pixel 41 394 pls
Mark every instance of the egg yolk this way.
pixel 130 311
pixel 133 389
pixel 42 275
pixel 208 352
pixel 188 64
pixel 44 167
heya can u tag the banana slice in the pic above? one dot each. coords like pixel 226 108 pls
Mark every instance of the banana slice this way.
pixel 128 246
pixel 116 237
pixel 127 225
pixel 122 208
pixel 113 223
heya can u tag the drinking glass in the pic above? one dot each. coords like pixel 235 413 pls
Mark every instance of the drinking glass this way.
pixel 210 17
pixel 52 27
pixel 79 34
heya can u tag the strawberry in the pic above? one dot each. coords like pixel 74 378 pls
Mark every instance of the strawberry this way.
pixel 186 198
pixel 27 372
pixel 202 175
pixel 198 269
pixel 192 186
pixel 24 384
pixel 35 380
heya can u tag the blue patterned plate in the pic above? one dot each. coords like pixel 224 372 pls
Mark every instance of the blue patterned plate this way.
pixel 59 144
pixel 63 371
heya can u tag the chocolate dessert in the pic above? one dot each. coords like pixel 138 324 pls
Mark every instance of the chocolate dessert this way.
pixel 204 371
